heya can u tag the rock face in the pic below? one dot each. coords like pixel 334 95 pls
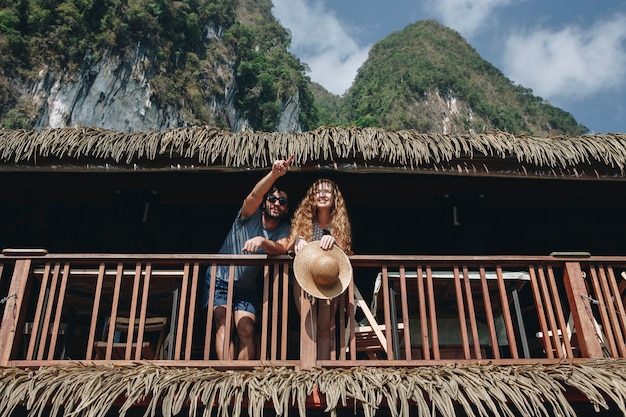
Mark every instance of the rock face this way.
pixel 116 95
pixel 289 116
pixel 110 94
pixel 446 114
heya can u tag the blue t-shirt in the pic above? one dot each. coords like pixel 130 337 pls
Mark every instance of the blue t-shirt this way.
pixel 245 228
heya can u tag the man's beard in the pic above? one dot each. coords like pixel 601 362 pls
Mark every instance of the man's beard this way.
pixel 270 216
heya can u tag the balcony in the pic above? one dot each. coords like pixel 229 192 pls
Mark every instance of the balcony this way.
pixel 398 311
pixel 410 319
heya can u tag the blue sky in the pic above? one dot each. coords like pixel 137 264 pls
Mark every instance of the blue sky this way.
pixel 571 53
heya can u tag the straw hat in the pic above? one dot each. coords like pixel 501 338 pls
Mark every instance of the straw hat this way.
pixel 322 273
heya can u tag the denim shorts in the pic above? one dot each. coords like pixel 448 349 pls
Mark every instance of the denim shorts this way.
pixel 243 299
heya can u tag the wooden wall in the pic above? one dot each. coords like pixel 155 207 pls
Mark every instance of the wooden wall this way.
pixel 161 212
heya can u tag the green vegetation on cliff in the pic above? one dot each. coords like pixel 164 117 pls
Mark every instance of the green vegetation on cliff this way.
pixel 426 57
pixel 187 42
pixel 425 77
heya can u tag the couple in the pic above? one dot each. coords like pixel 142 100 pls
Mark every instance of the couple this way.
pixel 261 227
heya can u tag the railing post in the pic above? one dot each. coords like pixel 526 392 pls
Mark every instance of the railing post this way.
pixel 13 318
pixel 581 313
pixel 308 328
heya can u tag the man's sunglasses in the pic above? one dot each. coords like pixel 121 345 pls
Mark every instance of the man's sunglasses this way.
pixel 281 200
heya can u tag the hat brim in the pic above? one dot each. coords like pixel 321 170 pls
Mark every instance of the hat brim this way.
pixel 303 273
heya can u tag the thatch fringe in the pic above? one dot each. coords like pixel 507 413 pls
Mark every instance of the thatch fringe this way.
pixel 211 146
pixel 481 390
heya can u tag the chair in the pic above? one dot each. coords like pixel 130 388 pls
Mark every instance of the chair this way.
pixel 153 326
pixel 370 338
pixel 570 331
pixel 62 335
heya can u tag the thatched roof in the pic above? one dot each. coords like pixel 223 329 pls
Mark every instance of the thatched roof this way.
pixel 529 390
pixel 201 148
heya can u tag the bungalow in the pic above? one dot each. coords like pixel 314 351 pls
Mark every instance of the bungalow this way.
pixel 487 273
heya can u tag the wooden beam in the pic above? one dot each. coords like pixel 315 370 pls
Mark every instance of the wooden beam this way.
pixel 580 309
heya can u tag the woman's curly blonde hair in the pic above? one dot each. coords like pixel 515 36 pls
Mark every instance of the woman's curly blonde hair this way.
pixel 306 214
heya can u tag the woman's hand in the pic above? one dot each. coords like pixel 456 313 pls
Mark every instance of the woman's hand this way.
pixel 327 242
pixel 300 243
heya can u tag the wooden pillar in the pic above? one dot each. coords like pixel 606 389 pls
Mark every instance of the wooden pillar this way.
pixel 308 328
pixel 584 324
pixel 14 306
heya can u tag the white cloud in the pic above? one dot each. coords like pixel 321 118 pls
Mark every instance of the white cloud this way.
pixel 320 40
pixel 572 63
pixel 465 16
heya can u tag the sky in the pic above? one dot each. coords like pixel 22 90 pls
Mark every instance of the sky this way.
pixel 571 53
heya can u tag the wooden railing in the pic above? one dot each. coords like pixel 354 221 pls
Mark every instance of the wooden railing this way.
pixel 399 310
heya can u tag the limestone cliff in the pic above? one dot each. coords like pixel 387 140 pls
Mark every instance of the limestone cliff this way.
pixel 114 94
pixel 221 63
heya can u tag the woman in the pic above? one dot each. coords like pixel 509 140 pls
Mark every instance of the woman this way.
pixel 322 216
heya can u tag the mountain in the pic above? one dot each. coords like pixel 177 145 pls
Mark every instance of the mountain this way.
pixel 141 65
pixel 427 77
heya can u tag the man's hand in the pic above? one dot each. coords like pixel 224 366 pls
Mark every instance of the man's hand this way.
pixel 252 202
pixel 253 245
pixel 281 166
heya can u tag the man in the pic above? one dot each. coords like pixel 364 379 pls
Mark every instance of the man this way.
pixel 258 228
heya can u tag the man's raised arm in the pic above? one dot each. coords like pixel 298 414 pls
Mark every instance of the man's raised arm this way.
pixel 253 201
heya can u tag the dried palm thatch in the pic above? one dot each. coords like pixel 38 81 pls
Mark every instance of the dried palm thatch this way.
pixel 530 390
pixel 407 149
